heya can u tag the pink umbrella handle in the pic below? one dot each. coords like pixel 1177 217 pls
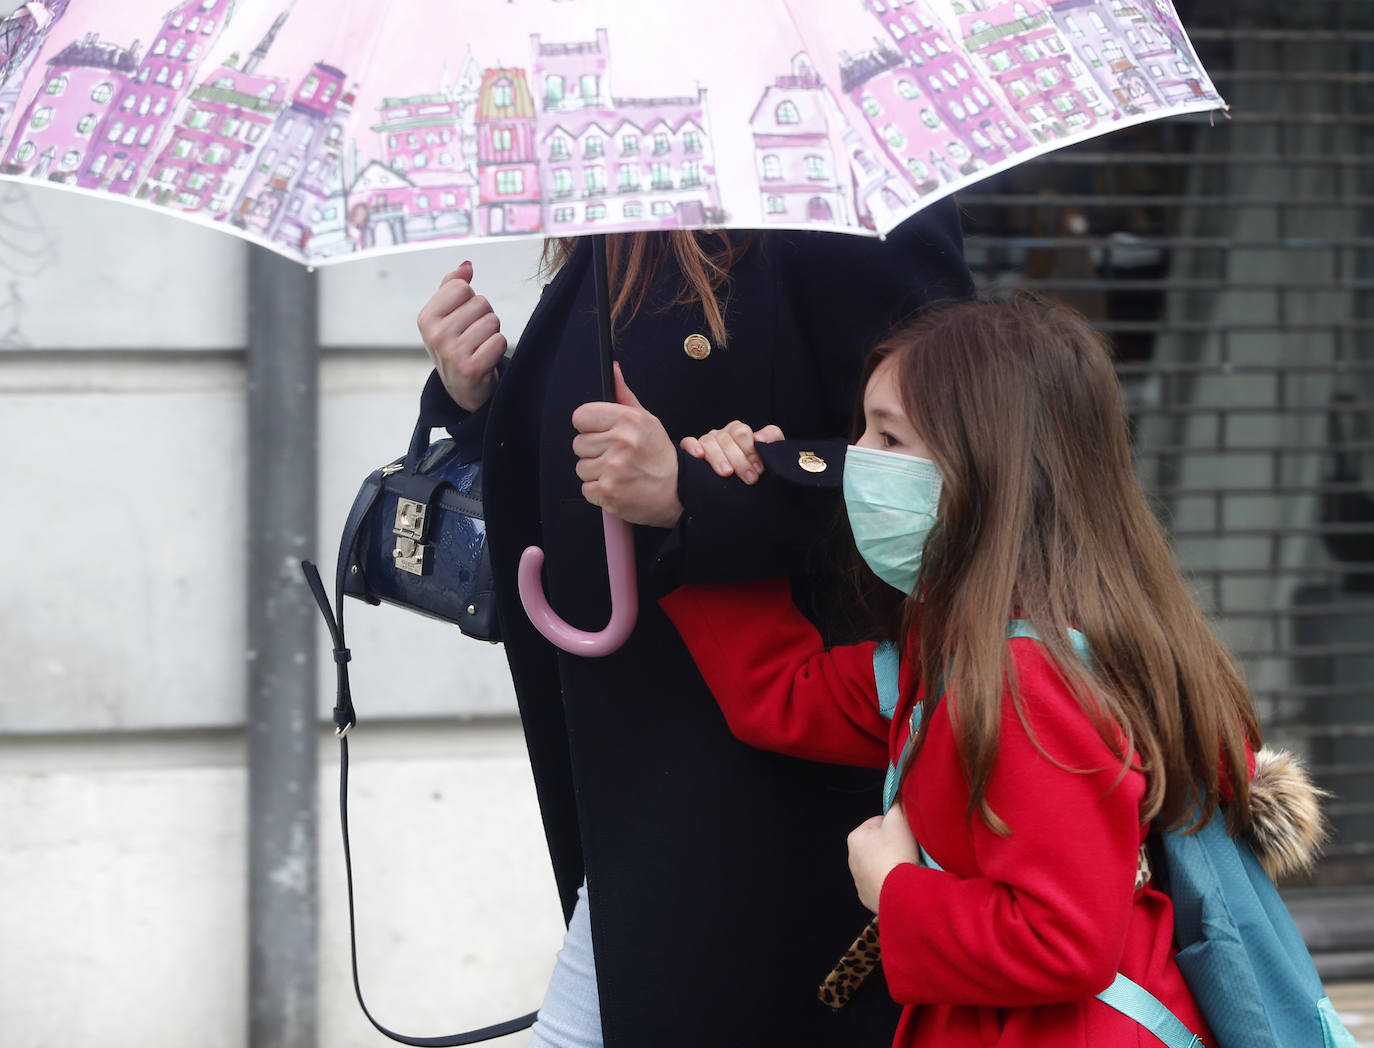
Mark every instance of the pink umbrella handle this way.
pixel 620 567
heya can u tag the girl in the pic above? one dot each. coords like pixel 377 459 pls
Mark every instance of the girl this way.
pixel 1058 687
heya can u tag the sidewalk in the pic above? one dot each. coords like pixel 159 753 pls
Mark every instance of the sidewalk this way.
pixel 1354 1002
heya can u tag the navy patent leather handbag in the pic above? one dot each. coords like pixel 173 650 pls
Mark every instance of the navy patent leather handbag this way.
pixel 416 538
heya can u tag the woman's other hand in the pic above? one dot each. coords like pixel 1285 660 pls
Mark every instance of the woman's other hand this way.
pixel 626 460
pixel 731 450
pixel 463 336
pixel 876 847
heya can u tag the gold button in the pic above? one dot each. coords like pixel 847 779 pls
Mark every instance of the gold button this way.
pixel 698 347
pixel 811 462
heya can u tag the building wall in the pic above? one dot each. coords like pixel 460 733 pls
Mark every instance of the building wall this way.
pixel 122 761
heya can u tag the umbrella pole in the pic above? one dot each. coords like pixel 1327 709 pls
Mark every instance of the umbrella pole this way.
pixel 620 557
pixel 605 340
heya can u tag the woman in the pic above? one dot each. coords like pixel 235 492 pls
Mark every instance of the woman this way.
pixel 715 874
pixel 1058 689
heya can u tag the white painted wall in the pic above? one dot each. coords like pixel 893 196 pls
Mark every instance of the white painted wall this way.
pixel 125 916
pixel 122 635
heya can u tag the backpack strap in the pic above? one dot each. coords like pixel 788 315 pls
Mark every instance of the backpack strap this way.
pixel 1022 628
pixel 1127 997
pixel 886 663
pixel 1135 1002
pixel 886 666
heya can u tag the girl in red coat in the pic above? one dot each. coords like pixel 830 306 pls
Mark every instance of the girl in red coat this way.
pixel 1058 687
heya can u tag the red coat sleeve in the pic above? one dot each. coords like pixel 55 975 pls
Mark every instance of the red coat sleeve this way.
pixel 1045 917
pixel 778 687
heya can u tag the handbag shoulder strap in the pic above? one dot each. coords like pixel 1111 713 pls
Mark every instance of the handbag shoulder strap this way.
pixel 344 719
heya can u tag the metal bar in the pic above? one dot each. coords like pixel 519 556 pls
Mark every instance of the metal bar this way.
pixel 1166 284
pixel 1204 328
pixel 1254 409
pixel 1280 35
pixel 1258 449
pixel 1184 490
pixel 1300 691
pixel 970 200
pixel 1323 731
pixel 282 787
pixel 1217 243
pixel 1306 76
pixel 1330 570
pixel 1365 607
pixel 1071 157
pixel 1311 651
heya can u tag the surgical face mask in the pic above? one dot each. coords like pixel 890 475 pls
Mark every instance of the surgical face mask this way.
pixel 892 501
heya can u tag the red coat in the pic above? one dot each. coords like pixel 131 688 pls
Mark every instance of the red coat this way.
pixel 1007 944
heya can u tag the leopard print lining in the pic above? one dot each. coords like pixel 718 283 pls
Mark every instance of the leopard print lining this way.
pixel 860 959
pixel 1143 873
pixel 864 954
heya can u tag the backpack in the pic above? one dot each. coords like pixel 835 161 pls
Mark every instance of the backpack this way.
pixel 1238 948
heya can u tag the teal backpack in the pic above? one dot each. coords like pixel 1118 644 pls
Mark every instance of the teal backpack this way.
pixel 1238 948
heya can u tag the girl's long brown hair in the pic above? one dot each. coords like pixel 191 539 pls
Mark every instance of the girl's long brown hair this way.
pixel 1042 518
pixel 635 259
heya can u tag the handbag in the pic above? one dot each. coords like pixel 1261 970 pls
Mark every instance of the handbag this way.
pixel 415 538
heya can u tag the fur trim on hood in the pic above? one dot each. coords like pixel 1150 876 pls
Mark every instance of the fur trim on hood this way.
pixel 1287 828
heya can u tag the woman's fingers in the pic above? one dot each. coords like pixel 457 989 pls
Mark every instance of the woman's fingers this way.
pixel 768 434
pixel 730 451
pixel 461 333
pixel 463 272
pixel 714 452
pixel 739 450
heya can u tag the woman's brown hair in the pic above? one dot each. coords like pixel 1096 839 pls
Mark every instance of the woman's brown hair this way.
pixel 1042 518
pixel 635 259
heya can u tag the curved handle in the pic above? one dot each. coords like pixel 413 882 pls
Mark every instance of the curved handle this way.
pixel 620 567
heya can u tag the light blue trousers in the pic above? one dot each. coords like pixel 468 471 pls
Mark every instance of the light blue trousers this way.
pixel 570 1016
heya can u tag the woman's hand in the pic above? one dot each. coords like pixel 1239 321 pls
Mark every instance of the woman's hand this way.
pixel 626 459
pixel 731 449
pixel 875 848
pixel 463 336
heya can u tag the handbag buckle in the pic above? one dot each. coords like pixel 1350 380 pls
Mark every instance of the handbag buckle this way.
pixel 409 554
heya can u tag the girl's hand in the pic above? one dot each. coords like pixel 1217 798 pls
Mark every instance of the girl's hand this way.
pixel 731 450
pixel 875 848
pixel 626 460
pixel 462 335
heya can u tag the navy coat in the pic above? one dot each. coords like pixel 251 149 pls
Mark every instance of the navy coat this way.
pixel 717 874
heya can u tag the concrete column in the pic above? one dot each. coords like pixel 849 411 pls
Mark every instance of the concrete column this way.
pixel 283 436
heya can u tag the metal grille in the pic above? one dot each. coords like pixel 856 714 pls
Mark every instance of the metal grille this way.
pixel 1232 263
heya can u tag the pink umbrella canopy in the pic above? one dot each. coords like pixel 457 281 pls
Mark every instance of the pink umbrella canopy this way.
pixel 331 129
pixel 327 130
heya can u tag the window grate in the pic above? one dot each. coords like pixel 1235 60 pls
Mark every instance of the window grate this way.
pixel 1231 262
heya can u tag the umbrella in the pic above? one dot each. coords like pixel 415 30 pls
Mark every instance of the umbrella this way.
pixel 331 129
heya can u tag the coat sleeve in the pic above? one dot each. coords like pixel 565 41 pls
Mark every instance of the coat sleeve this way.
pixel 1046 918
pixel 844 294
pixel 776 684
pixel 440 411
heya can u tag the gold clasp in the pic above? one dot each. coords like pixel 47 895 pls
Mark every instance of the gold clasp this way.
pixel 409 554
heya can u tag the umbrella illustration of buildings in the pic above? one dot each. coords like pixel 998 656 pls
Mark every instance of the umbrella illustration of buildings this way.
pixel 264 116
pixel 327 132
